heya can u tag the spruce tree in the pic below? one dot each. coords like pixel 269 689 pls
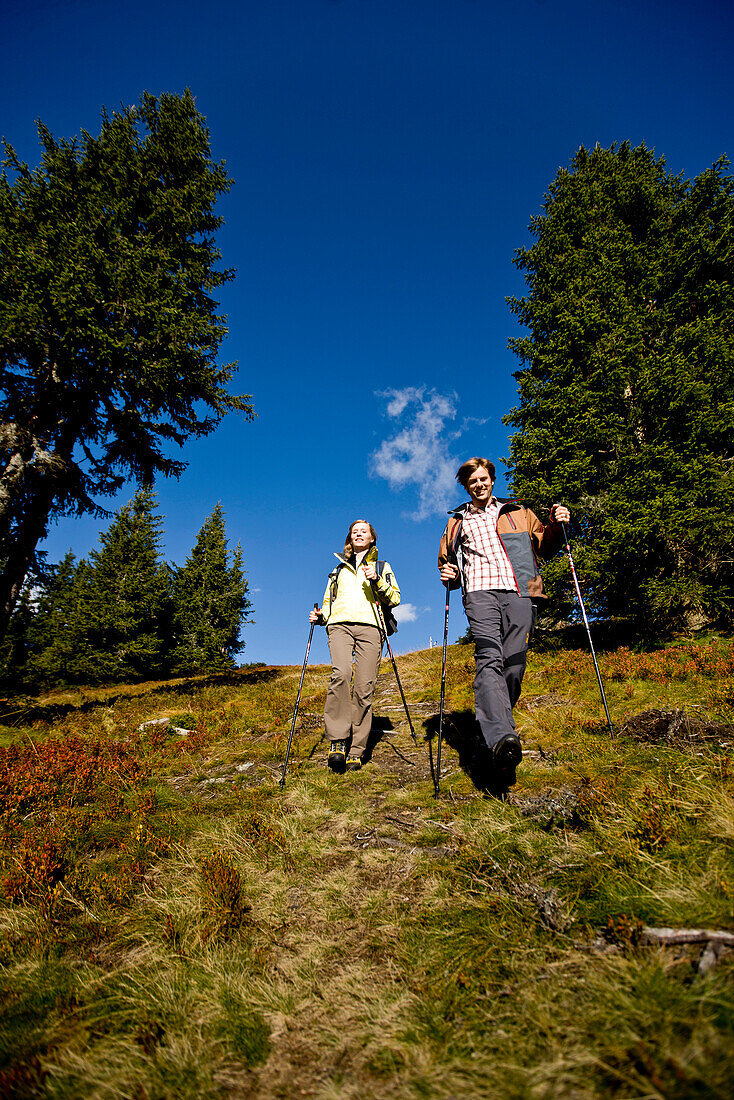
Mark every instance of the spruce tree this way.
pixel 211 601
pixel 124 595
pixel 59 649
pixel 625 391
pixel 109 324
pixel 15 647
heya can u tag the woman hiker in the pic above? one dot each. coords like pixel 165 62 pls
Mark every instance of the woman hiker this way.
pixel 357 600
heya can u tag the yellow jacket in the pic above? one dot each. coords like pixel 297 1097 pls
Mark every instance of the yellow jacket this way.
pixel 354 601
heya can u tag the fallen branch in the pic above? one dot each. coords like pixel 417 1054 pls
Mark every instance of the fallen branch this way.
pixel 687 935
pixel 715 943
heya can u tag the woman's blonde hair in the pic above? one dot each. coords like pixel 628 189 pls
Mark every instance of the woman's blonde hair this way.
pixel 348 548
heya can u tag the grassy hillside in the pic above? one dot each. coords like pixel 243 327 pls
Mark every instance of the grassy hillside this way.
pixel 175 925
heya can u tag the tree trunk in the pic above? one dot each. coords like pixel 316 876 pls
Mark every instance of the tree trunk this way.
pixel 12 474
pixel 27 460
pixel 20 555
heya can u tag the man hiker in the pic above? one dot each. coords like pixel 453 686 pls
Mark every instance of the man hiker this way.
pixel 489 549
pixel 353 623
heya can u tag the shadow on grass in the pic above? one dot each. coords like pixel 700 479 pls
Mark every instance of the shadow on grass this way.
pixel 22 710
pixel 380 726
pixel 461 731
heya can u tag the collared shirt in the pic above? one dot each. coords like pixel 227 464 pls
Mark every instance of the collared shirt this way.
pixel 486 564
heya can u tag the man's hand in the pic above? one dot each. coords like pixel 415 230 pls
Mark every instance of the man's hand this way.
pixel 449 572
pixel 314 614
pixel 369 571
pixel 559 513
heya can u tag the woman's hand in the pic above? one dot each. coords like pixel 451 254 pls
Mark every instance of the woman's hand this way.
pixel 369 571
pixel 449 572
pixel 314 614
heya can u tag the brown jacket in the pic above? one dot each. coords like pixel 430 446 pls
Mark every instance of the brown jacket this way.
pixel 523 536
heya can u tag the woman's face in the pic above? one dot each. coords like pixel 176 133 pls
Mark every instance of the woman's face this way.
pixel 361 537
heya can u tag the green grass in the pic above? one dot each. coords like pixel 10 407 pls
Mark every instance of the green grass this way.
pixel 173 924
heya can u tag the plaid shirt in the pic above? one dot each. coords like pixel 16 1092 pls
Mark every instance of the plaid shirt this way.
pixel 486 564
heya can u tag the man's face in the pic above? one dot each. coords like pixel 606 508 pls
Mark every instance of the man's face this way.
pixel 479 487
pixel 361 537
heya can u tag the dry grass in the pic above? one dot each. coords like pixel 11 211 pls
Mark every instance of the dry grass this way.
pixel 184 928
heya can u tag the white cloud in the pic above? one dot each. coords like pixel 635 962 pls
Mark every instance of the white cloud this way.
pixel 406 612
pixel 419 452
pixel 399 399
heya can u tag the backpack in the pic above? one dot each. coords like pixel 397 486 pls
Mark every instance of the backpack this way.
pixel 391 625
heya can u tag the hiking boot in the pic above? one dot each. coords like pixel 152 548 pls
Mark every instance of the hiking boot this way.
pixel 337 754
pixel 354 763
pixel 507 753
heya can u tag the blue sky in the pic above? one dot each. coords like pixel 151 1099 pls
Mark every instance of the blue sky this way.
pixel 387 157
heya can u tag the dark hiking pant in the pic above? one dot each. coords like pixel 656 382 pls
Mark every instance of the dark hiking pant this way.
pixel 348 712
pixel 501 624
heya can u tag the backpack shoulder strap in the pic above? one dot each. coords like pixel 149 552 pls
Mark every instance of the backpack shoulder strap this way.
pixel 391 625
pixel 334 575
pixel 381 570
pixel 452 530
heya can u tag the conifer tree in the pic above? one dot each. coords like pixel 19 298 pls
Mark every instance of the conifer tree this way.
pixel 211 601
pixel 109 324
pixel 124 594
pixel 58 644
pixel 107 618
pixel 15 647
pixel 625 391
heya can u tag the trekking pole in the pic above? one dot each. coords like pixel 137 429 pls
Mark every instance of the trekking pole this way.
pixel 298 701
pixel 383 628
pixel 437 780
pixel 588 628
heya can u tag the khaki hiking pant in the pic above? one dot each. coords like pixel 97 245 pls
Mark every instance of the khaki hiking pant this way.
pixel 348 712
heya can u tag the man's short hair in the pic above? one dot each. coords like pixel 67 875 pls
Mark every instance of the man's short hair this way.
pixel 467 469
